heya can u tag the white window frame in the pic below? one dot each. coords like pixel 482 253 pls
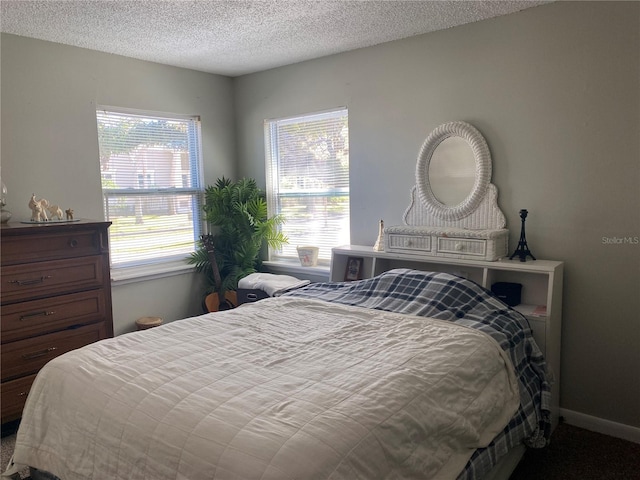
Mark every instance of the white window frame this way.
pixel 147 265
pixel 275 193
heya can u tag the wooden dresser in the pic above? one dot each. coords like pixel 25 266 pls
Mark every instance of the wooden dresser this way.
pixel 56 297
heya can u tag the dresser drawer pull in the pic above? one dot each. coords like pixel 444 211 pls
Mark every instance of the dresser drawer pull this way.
pixel 39 353
pixel 36 314
pixel 73 243
pixel 33 281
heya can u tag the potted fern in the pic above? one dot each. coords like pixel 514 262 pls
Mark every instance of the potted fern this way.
pixel 236 213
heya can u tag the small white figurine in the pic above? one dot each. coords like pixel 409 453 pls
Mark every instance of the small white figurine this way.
pixel 5 215
pixel 379 245
pixel 55 211
pixel 38 209
pixel 69 213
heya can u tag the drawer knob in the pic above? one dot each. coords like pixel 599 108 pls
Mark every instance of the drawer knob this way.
pixel 459 247
pixel 73 243
pixel 39 353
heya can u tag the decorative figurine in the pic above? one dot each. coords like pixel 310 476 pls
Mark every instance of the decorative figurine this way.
pixel 379 245
pixel 5 215
pixel 55 211
pixel 38 209
pixel 523 249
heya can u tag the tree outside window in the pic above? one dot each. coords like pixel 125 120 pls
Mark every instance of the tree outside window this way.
pixel 151 184
pixel 307 164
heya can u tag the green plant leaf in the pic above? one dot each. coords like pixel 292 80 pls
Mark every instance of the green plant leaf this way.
pixel 237 214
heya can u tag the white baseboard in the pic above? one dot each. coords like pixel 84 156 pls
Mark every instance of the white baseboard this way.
pixel 600 425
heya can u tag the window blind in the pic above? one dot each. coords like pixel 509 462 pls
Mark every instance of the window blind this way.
pixel 307 166
pixel 151 184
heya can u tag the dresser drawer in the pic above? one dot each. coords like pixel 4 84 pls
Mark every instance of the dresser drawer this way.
pixel 418 244
pixel 26 319
pixel 13 397
pixel 42 279
pixel 467 246
pixel 28 356
pixel 51 245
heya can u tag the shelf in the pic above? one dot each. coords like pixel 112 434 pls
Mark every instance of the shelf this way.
pixel 532 266
pixel 533 311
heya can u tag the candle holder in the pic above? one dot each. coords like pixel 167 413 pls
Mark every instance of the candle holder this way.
pixel 523 249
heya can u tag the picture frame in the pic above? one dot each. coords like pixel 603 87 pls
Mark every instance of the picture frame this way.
pixel 353 270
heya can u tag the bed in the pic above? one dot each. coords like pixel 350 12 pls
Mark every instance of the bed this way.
pixel 407 375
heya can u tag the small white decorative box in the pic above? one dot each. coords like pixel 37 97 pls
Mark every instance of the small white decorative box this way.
pixel 489 245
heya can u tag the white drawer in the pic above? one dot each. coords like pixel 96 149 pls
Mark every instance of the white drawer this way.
pixel 447 242
pixel 409 243
pixel 466 246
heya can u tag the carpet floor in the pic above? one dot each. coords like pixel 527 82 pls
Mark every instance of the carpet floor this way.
pixel 574 454
pixel 578 454
pixel 7 445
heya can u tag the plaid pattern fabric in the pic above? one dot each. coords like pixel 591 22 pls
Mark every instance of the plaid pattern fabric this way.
pixel 448 297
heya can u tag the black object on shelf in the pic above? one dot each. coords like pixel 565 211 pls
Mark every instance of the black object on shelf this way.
pixel 510 293
pixel 523 249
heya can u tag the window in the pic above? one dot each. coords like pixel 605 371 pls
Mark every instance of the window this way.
pixel 307 164
pixel 150 167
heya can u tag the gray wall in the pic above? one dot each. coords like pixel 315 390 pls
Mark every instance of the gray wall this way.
pixel 555 91
pixel 49 141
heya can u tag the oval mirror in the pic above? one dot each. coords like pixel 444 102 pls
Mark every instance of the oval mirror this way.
pixel 453 170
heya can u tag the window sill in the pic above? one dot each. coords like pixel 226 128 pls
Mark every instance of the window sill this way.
pixel 317 274
pixel 143 273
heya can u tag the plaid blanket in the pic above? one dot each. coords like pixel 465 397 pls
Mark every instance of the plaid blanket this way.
pixel 448 297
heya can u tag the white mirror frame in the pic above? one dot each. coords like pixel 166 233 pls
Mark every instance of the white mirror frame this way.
pixel 483 171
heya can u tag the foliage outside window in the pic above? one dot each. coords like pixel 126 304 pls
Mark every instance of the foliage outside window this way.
pixel 151 185
pixel 307 165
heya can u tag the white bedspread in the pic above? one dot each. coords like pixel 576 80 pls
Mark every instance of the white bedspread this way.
pixel 284 388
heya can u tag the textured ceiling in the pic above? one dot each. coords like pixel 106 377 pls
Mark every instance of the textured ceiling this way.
pixel 237 37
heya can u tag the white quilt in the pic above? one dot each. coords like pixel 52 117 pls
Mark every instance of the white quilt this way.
pixel 284 388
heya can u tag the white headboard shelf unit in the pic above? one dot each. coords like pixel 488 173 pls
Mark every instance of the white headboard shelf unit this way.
pixel 541 289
